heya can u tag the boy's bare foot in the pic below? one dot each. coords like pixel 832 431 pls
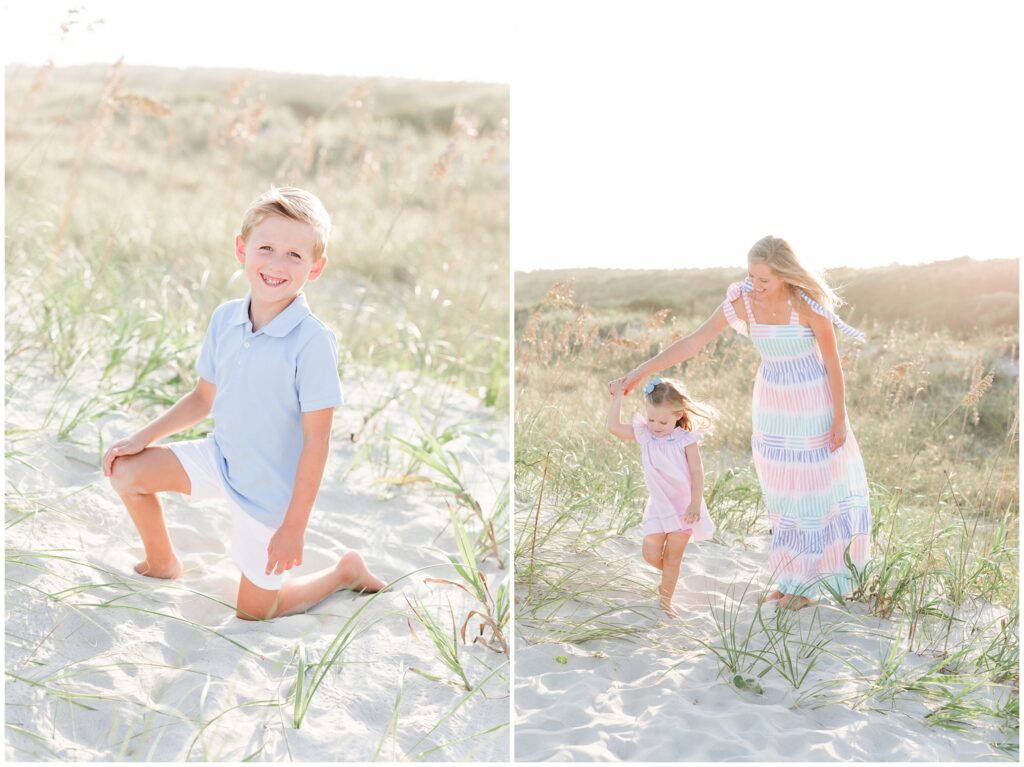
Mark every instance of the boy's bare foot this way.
pixel 353 574
pixel 167 570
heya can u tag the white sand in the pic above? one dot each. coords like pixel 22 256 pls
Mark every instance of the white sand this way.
pixel 112 683
pixel 662 698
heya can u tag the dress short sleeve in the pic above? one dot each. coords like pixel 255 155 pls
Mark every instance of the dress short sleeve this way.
pixel 316 375
pixel 640 431
pixel 734 321
pixel 692 437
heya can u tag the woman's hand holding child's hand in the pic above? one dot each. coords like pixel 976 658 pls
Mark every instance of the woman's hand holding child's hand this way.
pixel 625 384
pixel 615 388
pixel 284 550
pixel 129 446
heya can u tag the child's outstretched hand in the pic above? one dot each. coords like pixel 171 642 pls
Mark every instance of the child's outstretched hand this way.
pixel 122 447
pixel 284 550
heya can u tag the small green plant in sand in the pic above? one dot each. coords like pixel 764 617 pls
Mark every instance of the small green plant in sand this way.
pixel 449 477
pixel 493 612
pixel 446 643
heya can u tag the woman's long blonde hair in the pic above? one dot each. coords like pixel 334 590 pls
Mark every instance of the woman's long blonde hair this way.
pixel 775 253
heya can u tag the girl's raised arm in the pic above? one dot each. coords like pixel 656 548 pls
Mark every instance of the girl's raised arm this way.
pixel 615 425
pixel 678 352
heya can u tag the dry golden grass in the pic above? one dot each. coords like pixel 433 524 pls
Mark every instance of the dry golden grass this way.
pixel 933 426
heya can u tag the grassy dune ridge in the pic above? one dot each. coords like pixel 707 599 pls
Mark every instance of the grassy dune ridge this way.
pixel 960 295
pixel 934 405
pixel 125 189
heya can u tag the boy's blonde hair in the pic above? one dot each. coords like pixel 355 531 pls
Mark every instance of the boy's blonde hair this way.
pixel 296 204
pixel 696 416
pixel 775 253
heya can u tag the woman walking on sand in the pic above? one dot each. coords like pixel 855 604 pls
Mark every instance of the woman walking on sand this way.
pixel 806 456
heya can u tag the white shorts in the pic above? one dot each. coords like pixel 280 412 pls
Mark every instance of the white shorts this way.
pixel 249 538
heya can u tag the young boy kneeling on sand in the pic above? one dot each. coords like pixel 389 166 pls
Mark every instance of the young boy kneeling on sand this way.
pixel 269 373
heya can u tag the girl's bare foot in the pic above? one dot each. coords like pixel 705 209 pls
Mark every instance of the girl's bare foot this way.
pixel 355 575
pixel 666 607
pixel 167 570
pixel 665 602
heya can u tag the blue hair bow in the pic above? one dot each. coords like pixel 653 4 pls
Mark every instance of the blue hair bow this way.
pixel 649 386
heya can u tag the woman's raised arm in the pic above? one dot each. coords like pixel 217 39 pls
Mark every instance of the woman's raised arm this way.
pixel 678 352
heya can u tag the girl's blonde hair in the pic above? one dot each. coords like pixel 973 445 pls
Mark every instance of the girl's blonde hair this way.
pixel 694 416
pixel 775 253
pixel 296 204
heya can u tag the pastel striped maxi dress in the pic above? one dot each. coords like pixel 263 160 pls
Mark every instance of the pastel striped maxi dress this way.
pixel 817 500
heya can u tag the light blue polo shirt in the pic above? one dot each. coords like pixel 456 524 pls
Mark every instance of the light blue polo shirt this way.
pixel 265 381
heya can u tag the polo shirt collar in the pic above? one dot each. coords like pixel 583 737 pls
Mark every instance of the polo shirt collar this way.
pixel 282 324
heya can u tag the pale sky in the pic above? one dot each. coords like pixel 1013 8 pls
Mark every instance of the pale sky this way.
pixel 432 40
pixel 676 135
pixel 663 134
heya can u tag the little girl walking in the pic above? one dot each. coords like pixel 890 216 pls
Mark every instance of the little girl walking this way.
pixel 668 436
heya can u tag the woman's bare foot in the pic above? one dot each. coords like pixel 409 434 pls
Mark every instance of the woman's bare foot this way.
pixel 772 596
pixel 167 570
pixel 794 602
pixel 353 574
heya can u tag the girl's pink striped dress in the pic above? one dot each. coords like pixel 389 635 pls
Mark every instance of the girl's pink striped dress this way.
pixel 667 474
pixel 817 500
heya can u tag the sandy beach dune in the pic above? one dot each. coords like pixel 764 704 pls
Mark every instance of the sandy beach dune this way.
pixel 661 696
pixel 103 664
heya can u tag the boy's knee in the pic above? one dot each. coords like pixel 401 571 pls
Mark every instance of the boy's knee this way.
pixel 247 612
pixel 122 477
pixel 257 607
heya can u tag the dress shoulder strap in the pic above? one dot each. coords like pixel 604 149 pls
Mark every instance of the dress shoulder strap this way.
pixel 731 294
pixel 747 285
pixel 748 307
pixel 819 309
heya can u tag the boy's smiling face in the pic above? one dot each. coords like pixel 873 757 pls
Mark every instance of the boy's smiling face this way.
pixel 278 259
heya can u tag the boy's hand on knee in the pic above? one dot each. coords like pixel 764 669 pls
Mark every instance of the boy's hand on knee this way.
pixel 284 550
pixel 123 447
